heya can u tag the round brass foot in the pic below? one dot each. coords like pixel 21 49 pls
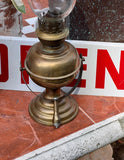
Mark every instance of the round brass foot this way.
pixel 47 112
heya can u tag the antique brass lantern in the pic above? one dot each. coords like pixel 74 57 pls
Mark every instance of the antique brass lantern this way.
pixel 52 63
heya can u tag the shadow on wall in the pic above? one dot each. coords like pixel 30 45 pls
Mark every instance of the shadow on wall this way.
pixel 97 20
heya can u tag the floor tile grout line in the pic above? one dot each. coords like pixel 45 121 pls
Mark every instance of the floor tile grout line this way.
pixel 117 108
pixel 116 105
pixel 87 115
pixel 34 132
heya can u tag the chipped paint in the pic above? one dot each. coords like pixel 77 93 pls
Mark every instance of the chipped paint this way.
pixel 10 19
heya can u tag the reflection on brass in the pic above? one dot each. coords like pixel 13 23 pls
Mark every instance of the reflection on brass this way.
pixel 52 63
pixel 44 110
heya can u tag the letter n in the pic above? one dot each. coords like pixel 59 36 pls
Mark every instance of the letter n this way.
pixel 104 62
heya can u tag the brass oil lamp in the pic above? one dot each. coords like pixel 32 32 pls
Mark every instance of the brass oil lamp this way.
pixel 52 63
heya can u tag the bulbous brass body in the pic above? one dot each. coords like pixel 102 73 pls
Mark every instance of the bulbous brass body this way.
pixel 52 63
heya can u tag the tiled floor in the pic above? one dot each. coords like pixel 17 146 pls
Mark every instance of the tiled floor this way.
pixel 28 21
pixel 104 153
pixel 19 134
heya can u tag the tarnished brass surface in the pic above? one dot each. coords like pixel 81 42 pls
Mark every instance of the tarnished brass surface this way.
pixel 52 63
pixel 43 110
pixel 52 37
pixel 54 68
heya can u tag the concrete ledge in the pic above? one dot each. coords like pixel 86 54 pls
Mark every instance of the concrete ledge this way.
pixel 82 142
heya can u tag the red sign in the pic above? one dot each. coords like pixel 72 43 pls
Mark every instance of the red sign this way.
pixel 102 66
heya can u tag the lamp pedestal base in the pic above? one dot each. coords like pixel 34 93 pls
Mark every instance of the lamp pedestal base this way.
pixel 45 110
